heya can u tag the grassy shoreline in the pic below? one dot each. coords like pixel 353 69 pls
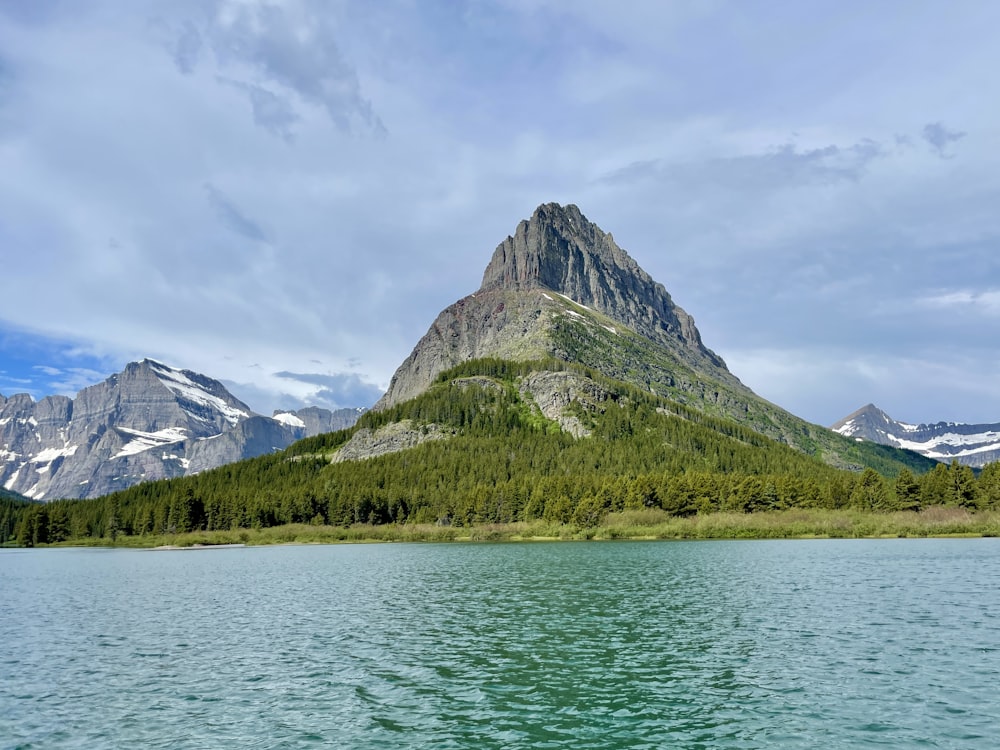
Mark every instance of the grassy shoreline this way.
pixel 629 525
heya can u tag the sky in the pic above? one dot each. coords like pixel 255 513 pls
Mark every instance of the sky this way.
pixel 283 195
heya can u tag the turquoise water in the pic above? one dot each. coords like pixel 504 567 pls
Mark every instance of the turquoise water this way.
pixel 813 644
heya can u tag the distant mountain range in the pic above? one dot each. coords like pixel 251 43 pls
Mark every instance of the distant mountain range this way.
pixel 150 421
pixel 970 444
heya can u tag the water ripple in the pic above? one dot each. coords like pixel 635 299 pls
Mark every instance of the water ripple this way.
pixel 616 645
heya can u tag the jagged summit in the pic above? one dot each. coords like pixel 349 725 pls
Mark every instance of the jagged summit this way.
pixel 558 248
pixel 557 281
pixel 149 421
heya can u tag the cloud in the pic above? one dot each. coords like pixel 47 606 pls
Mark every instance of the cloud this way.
pixel 72 380
pixel 939 138
pixel 231 216
pixel 337 390
pixel 272 112
pixel 277 54
pixel 784 166
pixel 737 154
pixel 986 303
pixel 825 384
pixel 187 48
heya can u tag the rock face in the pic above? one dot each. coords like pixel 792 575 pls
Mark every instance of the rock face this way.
pixel 560 250
pixel 556 264
pixel 367 443
pixel 148 422
pixel 970 444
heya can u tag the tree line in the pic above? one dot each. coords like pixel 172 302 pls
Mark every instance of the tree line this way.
pixel 503 462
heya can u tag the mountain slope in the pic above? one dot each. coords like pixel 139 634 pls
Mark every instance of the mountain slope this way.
pixel 970 444
pixel 148 422
pixel 560 287
pixel 496 441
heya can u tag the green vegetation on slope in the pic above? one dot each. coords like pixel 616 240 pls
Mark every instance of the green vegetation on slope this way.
pixel 626 356
pixel 503 462
pixel 12 506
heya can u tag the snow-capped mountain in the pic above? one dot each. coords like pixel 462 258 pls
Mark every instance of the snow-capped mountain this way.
pixel 970 444
pixel 149 421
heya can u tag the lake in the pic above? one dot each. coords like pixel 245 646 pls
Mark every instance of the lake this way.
pixel 769 644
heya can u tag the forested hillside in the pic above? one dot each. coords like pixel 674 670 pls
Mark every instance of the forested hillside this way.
pixel 483 452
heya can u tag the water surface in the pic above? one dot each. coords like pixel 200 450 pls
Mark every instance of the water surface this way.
pixel 789 644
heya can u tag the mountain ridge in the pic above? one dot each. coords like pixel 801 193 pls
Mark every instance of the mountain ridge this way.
pixel 149 421
pixel 970 444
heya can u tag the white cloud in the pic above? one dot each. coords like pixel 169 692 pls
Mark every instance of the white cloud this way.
pixel 826 384
pixel 985 303
pixel 225 184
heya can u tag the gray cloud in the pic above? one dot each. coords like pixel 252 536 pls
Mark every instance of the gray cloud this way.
pixel 939 138
pixel 337 390
pixel 336 247
pixel 272 112
pixel 785 166
pixel 273 52
pixel 231 216
pixel 187 48
pixel 71 380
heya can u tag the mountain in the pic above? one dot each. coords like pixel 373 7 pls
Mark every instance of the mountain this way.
pixel 560 287
pixel 970 444
pixel 148 422
pixel 569 386
pixel 558 268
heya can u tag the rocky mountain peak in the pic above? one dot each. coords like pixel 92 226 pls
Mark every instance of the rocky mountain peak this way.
pixel 971 444
pixel 149 421
pixel 556 271
pixel 559 249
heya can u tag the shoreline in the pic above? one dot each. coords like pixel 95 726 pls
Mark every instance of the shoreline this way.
pixel 637 525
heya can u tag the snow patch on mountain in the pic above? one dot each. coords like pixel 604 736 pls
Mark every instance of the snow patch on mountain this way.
pixel 287 418
pixel 48 455
pixel 150 421
pixel 971 444
pixel 143 441
pixel 187 389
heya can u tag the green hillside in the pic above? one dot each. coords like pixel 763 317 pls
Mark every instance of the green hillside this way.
pixel 483 452
pixel 621 354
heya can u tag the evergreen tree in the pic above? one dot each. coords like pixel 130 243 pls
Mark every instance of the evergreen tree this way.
pixel 870 492
pixel 989 486
pixel 936 487
pixel 907 490
pixel 965 489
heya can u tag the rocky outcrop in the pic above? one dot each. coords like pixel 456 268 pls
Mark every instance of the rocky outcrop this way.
pixel 149 421
pixel 970 444
pixel 392 438
pixel 554 392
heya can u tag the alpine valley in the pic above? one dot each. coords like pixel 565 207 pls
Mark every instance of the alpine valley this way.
pixel 148 422
pixel 569 386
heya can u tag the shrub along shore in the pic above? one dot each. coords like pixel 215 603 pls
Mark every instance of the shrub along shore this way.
pixel 635 525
